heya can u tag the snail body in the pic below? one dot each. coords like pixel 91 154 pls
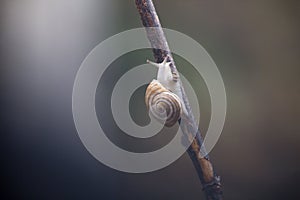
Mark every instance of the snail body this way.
pixel 163 104
pixel 166 79
pixel 165 76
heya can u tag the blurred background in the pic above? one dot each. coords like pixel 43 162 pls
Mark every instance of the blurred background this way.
pixel 255 45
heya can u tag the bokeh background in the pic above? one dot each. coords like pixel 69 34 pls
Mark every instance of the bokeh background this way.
pixel 254 43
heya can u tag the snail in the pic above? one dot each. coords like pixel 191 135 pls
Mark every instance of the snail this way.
pixel 163 96
pixel 164 105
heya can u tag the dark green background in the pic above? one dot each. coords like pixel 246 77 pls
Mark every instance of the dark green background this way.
pixel 254 43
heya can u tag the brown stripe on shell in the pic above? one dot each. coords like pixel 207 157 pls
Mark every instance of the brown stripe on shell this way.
pixel 158 96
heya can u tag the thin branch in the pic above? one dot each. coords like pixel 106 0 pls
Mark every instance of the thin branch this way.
pixel 210 181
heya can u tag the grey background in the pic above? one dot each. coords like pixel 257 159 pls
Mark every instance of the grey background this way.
pixel 255 44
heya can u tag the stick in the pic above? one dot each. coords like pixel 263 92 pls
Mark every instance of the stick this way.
pixel 209 180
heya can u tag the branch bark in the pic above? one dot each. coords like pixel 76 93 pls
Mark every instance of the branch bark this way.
pixel 210 181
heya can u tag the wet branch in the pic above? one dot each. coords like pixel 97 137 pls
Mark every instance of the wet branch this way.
pixel 210 181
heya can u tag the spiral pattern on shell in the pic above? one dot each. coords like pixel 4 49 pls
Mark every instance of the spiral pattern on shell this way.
pixel 164 105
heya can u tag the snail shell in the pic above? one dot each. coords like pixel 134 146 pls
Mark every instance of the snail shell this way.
pixel 164 105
